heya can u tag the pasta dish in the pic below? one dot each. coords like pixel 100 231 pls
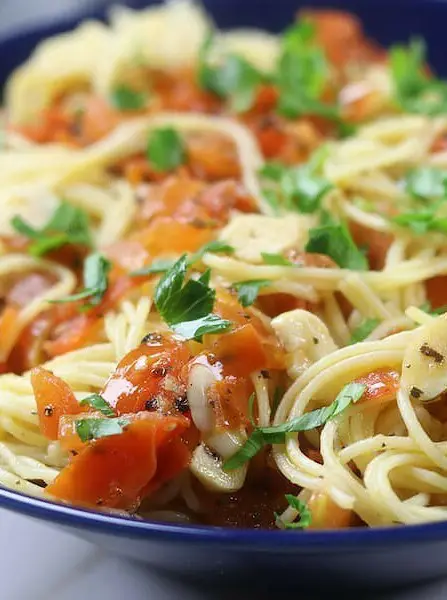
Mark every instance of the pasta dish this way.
pixel 223 269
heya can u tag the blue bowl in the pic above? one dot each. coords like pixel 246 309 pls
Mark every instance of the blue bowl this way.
pixel 367 557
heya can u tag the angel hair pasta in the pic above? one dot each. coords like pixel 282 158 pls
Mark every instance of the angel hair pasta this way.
pixel 223 272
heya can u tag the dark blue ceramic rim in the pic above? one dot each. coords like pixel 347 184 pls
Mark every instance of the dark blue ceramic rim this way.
pixel 19 46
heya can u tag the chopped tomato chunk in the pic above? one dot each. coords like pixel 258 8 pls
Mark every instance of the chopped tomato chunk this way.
pixel 54 399
pixel 437 291
pixel 381 385
pixel 150 375
pixel 326 514
pixel 115 471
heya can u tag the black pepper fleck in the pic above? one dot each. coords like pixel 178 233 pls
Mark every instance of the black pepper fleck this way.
pixel 48 411
pixel 416 392
pixel 181 404
pixel 265 374
pixel 315 340
pixel 151 404
pixel 426 350
pixel 159 371
pixel 152 337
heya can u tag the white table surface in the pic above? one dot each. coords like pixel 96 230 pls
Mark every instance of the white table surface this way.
pixel 38 562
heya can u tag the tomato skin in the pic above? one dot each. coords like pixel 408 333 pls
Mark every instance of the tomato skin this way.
pixel 114 471
pixel 326 514
pixel 54 399
pixel 151 371
pixel 436 288
pixel 244 350
pixel 377 242
pixel 382 385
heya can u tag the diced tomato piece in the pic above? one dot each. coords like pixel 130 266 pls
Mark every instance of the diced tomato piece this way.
pixel 342 37
pixel 436 288
pixel 276 304
pixel 213 157
pixel 74 330
pixel 173 458
pixel 326 514
pixel 165 237
pixel 151 372
pixel 8 330
pixel 179 91
pixel 244 350
pixel 68 437
pixel 377 242
pixel 98 118
pixel 381 385
pixel 54 399
pixel 114 471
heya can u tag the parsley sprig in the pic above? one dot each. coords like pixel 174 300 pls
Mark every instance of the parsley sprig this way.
pixel 300 189
pixel 365 328
pixel 187 306
pixel 97 402
pixel 415 90
pixel 276 434
pixel 334 240
pixel 232 78
pixel 304 514
pixel 166 149
pixel 67 225
pixel 96 269
pixel 126 99
pixel 91 429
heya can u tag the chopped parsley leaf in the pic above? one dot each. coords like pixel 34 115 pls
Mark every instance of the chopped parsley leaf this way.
pixel 232 78
pixel 364 330
pixel 97 402
pixel 415 90
pixel 96 270
pixel 90 429
pixel 68 225
pixel 305 516
pixel 335 241
pixel 261 436
pixel 247 291
pixel 125 99
pixel 187 306
pixel 166 149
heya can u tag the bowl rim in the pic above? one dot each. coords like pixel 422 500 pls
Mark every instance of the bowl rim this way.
pixel 130 527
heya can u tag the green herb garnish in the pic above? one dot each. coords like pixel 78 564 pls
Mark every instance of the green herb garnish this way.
pixel 335 241
pixel 305 516
pixel 98 403
pixel 426 183
pixel 415 90
pixel 247 291
pixel 233 78
pixel 364 330
pixel 96 269
pixel 276 260
pixel 262 436
pixel 125 99
pixel 68 225
pixel 301 189
pixel 187 307
pixel 94 429
pixel 302 74
pixel 166 150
